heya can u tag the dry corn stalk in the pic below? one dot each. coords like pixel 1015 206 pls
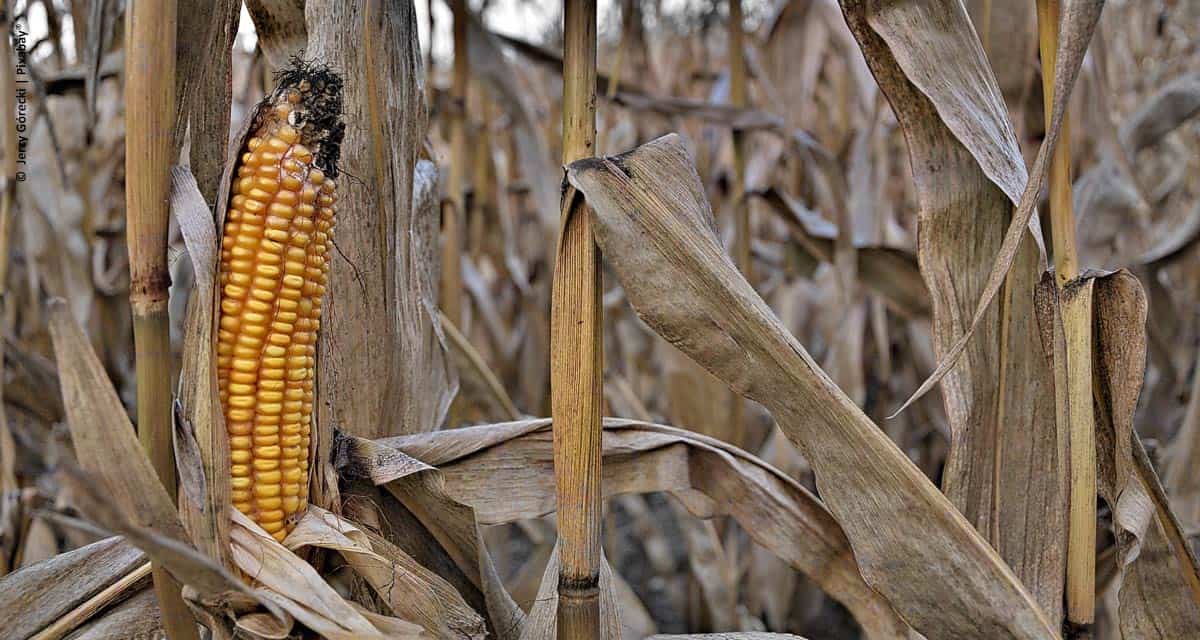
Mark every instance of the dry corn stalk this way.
pixel 274 262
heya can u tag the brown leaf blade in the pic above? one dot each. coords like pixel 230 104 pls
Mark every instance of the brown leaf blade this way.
pixel 197 396
pixel 293 585
pixel 710 477
pixel 452 524
pixel 655 227
pixel 413 592
pixel 102 432
pixel 41 594
pixel 1079 18
pixel 1160 587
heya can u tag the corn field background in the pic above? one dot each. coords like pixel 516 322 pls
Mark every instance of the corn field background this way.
pixel 826 319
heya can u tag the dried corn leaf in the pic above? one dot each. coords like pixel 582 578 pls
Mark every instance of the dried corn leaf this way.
pixel 100 427
pixel 710 477
pixel 197 395
pixel 1006 470
pixel 393 628
pixel 655 227
pixel 40 594
pixel 319 621
pixel 1160 586
pixel 136 617
pixel 293 585
pixel 126 498
pixel 1078 21
pixel 411 591
pixel 211 582
pixel 262 626
pixel 451 524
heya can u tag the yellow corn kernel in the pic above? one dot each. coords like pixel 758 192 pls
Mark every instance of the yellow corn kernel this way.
pixel 272 274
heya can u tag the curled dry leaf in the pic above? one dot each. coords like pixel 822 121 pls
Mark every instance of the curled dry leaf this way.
pixel 451 524
pixel 1160 586
pixel 655 228
pixel 413 592
pixel 709 476
pixel 291 584
pixel 1006 469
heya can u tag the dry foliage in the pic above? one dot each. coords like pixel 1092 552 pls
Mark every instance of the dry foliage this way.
pixel 870 294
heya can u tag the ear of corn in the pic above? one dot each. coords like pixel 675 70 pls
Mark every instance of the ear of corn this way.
pixel 274 261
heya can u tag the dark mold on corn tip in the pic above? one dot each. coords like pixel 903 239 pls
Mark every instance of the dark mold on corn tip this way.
pixel 320 109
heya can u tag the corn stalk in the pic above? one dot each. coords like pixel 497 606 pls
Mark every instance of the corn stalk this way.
pixel 576 347
pixel 456 206
pixel 741 208
pixel 8 199
pixel 1075 406
pixel 149 118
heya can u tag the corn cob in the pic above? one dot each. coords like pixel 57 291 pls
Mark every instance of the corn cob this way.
pixel 274 261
